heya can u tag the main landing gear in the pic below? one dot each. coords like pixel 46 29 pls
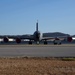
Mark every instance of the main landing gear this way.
pixel 37 42
pixel 45 42
pixel 30 42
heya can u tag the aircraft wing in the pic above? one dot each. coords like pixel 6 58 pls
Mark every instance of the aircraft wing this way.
pixel 61 38
pixel 17 38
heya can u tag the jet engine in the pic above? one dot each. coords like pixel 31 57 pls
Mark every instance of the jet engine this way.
pixel 69 39
pixel 5 39
pixel 18 40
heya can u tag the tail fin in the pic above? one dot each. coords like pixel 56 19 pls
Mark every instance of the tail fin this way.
pixel 37 26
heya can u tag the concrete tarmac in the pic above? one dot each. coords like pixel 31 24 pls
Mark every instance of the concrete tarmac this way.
pixel 67 50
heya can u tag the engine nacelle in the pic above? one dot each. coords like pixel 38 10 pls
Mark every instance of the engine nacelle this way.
pixel 69 39
pixel 18 40
pixel 5 39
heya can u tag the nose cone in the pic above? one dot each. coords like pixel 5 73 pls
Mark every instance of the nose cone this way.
pixel 36 35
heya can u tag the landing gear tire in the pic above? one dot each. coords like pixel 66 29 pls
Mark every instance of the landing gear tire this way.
pixel 37 42
pixel 45 43
pixel 55 43
pixel 30 42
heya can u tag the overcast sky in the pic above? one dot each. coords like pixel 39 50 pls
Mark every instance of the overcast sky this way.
pixel 19 17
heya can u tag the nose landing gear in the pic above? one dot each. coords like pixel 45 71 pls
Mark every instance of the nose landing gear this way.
pixel 37 42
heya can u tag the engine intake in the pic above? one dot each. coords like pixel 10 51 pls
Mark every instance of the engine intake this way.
pixel 6 39
pixel 18 40
pixel 69 39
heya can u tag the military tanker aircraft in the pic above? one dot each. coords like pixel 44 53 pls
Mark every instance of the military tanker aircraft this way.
pixel 36 37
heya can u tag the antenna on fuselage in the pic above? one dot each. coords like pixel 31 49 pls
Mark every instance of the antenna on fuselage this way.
pixel 37 26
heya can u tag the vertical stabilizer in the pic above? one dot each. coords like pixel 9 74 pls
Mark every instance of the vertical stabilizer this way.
pixel 37 26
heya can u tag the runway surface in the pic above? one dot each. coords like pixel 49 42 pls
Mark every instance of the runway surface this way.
pixel 37 50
